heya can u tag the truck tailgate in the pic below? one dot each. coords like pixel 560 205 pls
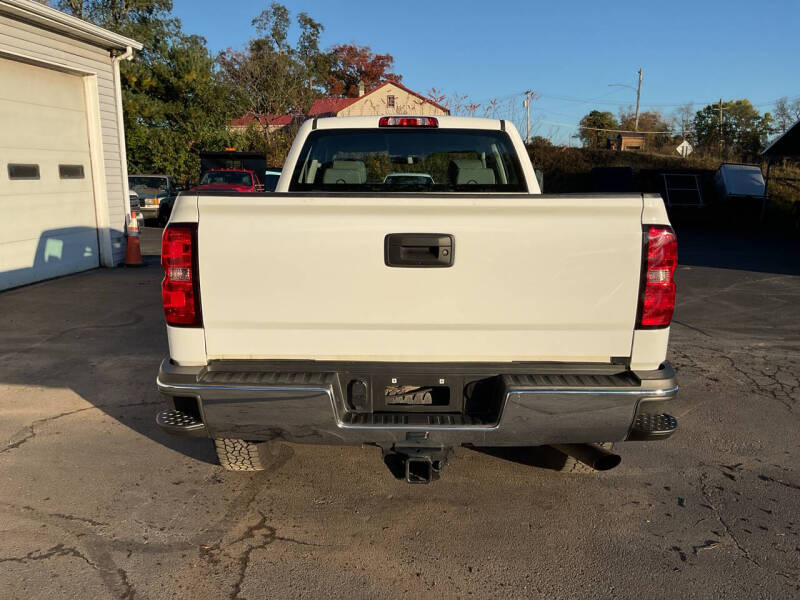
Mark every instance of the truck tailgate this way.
pixel 534 278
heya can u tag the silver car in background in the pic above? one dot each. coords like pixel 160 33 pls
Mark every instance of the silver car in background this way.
pixel 134 201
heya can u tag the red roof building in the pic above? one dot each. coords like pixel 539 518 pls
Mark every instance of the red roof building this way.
pixel 272 122
pixel 389 98
pixel 329 107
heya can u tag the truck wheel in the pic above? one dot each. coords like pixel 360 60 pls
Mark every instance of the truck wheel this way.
pixel 239 455
pixel 567 464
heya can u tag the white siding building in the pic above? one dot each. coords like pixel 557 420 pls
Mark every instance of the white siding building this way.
pixel 63 171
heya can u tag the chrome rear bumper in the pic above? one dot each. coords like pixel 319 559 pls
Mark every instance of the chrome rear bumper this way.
pixel 306 402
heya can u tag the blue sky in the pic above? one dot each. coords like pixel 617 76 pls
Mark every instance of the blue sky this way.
pixel 568 51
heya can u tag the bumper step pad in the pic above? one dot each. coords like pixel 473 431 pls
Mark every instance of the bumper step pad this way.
pixel 177 422
pixel 402 420
pixel 653 427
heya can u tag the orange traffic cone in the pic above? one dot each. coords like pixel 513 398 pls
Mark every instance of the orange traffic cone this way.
pixel 133 255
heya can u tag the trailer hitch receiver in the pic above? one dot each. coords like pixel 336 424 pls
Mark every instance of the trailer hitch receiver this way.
pixel 417 461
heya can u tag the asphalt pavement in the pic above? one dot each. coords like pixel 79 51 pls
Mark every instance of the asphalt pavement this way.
pixel 97 502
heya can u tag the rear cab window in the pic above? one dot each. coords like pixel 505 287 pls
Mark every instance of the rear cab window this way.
pixel 408 160
pixel 227 178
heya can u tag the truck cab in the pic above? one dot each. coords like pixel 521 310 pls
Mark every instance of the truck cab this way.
pixel 156 194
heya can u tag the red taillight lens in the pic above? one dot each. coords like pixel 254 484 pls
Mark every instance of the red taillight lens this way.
pixel 408 122
pixel 658 295
pixel 179 287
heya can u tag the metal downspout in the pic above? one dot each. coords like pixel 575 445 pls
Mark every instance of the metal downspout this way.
pixel 123 158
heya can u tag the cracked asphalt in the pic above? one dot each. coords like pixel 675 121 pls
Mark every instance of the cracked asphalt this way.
pixel 96 502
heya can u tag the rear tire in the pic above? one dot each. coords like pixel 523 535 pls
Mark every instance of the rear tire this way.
pixel 568 464
pixel 239 455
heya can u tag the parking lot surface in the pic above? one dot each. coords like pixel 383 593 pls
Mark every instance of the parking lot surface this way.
pixel 97 502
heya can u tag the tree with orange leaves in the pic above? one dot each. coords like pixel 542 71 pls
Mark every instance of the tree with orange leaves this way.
pixel 351 64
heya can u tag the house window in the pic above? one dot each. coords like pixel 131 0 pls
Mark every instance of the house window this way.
pixel 23 171
pixel 390 101
pixel 70 171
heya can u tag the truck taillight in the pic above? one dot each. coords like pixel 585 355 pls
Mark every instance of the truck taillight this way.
pixel 179 290
pixel 408 122
pixel 657 299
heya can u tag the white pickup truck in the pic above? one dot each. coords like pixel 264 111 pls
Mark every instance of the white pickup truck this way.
pixel 454 306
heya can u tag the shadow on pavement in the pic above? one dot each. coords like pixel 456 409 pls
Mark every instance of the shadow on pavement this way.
pixel 100 334
pixel 543 457
pixel 725 240
pixel 758 251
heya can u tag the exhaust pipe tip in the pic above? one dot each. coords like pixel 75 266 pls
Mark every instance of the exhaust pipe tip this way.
pixel 592 455
pixel 606 463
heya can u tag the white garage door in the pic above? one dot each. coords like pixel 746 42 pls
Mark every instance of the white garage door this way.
pixel 47 215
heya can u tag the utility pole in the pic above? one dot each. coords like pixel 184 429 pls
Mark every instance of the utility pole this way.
pixel 529 95
pixel 720 128
pixel 638 97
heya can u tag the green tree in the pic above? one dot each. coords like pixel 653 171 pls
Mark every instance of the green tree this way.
pixel 591 128
pixel 273 76
pixel 174 102
pixel 786 114
pixel 540 141
pixel 175 106
pixel 316 62
pixel 272 24
pixel 738 133
pixel 684 123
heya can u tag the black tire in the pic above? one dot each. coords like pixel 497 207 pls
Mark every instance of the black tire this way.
pixel 239 455
pixel 567 464
pixel 164 212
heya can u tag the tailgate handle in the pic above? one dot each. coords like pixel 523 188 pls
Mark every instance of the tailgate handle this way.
pixel 418 250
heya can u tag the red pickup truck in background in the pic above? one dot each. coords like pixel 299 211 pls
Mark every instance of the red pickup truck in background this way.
pixel 232 180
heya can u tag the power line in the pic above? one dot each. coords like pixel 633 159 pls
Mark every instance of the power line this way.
pixel 563 98
pixel 578 115
pixel 596 100
pixel 508 107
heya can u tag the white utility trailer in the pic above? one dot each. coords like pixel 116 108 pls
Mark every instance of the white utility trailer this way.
pixel 742 184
